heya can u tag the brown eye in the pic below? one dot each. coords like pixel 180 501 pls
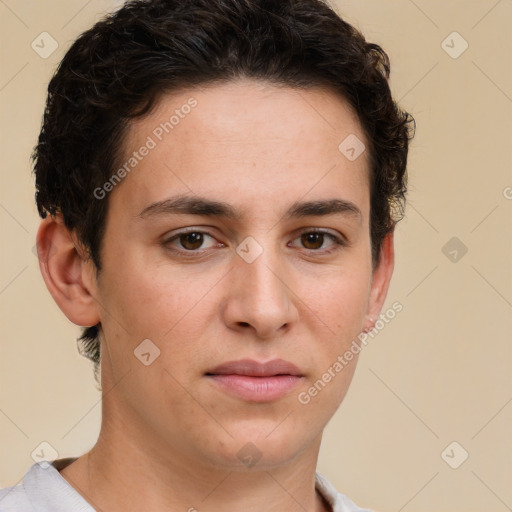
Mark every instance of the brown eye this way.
pixel 319 242
pixel 312 240
pixel 191 241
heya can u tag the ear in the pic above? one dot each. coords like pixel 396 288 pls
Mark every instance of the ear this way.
pixel 380 281
pixel 68 274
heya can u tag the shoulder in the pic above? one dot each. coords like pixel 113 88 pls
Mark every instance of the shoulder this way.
pixel 43 489
pixel 338 501
pixel 14 499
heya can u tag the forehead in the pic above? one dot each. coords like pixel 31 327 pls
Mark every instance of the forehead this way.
pixel 244 139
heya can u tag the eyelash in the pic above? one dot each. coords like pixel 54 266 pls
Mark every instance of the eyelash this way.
pixel 339 242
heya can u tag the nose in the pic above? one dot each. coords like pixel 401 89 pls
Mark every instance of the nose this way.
pixel 260 297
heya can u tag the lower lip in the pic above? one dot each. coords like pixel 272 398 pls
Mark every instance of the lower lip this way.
pixel 257 389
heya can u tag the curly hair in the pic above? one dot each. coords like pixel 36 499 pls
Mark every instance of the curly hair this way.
pixel 120 68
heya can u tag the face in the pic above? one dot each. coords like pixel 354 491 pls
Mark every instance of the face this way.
pixel 238 237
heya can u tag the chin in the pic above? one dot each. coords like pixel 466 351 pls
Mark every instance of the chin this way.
pixel 254 448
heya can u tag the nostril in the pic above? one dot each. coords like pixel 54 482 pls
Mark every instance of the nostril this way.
pixel 244 324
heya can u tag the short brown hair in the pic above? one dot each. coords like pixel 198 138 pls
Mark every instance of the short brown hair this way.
pixel 117 71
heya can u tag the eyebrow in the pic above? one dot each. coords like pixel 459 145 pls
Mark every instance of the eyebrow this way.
pixel 196 205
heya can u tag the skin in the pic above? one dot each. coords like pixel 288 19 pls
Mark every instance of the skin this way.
pixel 169 435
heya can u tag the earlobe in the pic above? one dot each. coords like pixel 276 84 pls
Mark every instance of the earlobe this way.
pixel 380 281
pixel 63 269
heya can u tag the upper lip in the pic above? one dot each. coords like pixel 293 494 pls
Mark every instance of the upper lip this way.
pixel 253 368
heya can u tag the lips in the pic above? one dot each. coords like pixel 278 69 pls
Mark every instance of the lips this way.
pixel 252 368
pixel 255 381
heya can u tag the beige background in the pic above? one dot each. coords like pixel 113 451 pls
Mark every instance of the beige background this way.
pixel 439 372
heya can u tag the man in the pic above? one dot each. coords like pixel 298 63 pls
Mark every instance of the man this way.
pixel 219 184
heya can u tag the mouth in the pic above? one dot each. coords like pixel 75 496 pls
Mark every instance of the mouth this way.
pixel 255 381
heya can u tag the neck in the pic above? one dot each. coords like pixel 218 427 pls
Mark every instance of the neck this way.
pixel 124 471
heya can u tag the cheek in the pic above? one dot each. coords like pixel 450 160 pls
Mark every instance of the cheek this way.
pixel 159 303
pixel 349 307
pixel 338 318
pixel 340 300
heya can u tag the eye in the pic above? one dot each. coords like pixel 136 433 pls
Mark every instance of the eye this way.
pixel 191 241
pixel 320 241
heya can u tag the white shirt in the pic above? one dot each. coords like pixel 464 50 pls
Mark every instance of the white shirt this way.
pixel 44 489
